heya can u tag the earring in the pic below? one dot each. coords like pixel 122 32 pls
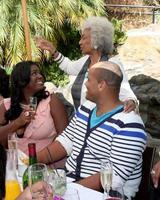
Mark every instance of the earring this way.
pixel 95 47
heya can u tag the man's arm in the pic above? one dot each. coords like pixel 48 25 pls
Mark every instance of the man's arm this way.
pixel 54 152
pixel 92 182
pixel 59 148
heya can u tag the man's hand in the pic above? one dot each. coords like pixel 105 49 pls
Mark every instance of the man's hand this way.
pixel 45 45
pixel 129 105
pixel 156 174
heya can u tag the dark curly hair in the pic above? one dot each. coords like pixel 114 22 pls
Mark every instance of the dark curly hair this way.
pixel 3 159
pixel 4 83
pixel 20 78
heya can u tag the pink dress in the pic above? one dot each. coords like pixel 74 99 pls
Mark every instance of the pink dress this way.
pixel 41 130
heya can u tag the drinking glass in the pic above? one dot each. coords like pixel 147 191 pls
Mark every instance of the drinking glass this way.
pixel 71 194
pixel 12 186
pixel 12 141
pixel 57 179
pixel 106 175
pixel 38 178
pixel 33 103
pixel 12 144
pixel 114 193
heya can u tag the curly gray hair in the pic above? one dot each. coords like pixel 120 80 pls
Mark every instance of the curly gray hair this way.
pixel 101 33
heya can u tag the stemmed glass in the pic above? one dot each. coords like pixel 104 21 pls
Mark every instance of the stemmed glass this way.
pixel 33 104
pixel 12 144
pixel 38 178
pixel 106 175
pixel 111 192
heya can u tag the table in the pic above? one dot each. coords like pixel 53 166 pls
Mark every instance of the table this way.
pixel 86 193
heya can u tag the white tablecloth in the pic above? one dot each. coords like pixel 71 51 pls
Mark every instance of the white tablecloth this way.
pixel 86 193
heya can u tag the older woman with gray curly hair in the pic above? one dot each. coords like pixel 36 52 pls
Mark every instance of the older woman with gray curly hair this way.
pixel 96 44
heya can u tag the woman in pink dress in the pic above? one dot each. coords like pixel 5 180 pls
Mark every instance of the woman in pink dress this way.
pixel 40 127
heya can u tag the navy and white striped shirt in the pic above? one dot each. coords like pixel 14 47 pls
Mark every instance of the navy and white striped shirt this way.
pixel 120 138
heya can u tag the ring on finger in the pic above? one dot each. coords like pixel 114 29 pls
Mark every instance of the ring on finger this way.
pixel 26 114
pixel 153 172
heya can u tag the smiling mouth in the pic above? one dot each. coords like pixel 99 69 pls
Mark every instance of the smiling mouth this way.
pixel 40 83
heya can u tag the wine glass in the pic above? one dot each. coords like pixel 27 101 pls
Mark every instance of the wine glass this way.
pixel 33 104
pixel 12 144
pixel 106 175
pixel 38 178
pixel 12 141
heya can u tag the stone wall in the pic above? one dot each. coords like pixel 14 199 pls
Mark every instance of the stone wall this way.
pixel 147 90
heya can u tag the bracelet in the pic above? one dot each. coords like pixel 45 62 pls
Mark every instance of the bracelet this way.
pixel 20 135
pixel 50 157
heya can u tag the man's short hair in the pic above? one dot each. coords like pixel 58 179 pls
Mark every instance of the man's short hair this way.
pixel 110 73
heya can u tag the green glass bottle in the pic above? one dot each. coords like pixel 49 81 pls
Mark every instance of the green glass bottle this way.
pixel 32 160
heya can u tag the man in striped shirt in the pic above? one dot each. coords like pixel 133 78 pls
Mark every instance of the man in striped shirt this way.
pixel 102 132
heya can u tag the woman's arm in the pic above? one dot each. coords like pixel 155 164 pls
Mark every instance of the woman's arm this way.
pixel 69 66
pixel 58 113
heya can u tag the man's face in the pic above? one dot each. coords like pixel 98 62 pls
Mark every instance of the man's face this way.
pixel 92 86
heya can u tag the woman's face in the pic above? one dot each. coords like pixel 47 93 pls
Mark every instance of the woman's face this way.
pixel 85 42
pixel 36 80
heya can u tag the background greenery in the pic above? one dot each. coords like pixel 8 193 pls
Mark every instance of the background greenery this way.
pixel 57 21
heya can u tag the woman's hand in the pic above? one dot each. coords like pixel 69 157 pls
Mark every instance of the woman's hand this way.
pixel 129 105
pixel 45 45
pixel 156 174
pixel 24 118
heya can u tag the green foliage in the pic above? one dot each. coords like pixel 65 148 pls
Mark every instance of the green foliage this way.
pixel 8 70
pixel 57 21
pixel 53 73
pixel 119 35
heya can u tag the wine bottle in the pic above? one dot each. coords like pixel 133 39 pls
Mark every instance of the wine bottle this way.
pixel 32 160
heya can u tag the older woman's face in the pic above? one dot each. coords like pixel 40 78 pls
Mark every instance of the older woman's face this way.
pixel 85 42
pixel 36 80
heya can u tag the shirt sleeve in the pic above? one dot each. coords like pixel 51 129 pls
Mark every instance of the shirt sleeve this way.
pixel 128 146
pixel 69 66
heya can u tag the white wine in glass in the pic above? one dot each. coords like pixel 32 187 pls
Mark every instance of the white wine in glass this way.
pixel 33 104
pixel 106 175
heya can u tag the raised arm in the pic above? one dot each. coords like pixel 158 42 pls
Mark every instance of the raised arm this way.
pixel 69 66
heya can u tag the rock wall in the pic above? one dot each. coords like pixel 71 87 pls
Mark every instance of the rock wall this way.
pixel 147 91
pixel 141 52
pixel 140 56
